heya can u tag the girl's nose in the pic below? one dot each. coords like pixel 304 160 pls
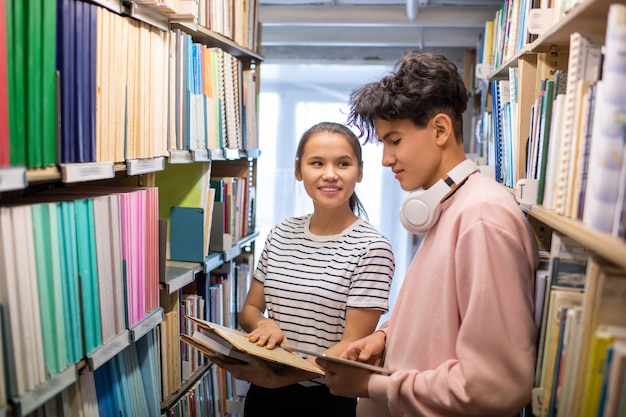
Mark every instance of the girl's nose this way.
pixel 330 173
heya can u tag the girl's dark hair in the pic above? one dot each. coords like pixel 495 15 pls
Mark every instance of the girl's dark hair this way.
pixel 422 85
pixel 335 128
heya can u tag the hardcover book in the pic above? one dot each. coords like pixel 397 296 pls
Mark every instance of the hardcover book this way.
pixel 232 345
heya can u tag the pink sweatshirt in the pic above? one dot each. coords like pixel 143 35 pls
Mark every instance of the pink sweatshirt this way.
pixel 462 332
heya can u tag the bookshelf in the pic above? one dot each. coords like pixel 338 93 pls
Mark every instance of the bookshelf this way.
pixel 125 140
pixel 563 207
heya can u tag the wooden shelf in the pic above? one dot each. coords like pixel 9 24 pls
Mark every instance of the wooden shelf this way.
pixel 588 18
pixel 179 273
pixel 606 246
pixel 206 36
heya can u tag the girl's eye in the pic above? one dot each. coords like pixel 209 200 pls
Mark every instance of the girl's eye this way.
pixel 395 142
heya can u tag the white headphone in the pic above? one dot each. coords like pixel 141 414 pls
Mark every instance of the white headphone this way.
pixel 421 208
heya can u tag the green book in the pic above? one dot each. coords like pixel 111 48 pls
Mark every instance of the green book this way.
pixel 34 102
pixel 544 138
pixel 41 237
pixel 56 285
pixel 48 80
pixel 15 28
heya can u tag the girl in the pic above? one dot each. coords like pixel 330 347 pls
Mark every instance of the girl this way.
pixel 322 280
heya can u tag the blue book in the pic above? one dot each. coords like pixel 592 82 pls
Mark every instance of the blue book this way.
pixel 106 391
pixel 91 81
pixel 147 355
pixel 65 65
pixel 557 364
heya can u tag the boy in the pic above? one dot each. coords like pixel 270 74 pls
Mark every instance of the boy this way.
pixel 461 333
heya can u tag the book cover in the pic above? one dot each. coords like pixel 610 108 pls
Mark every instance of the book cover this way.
pixel 214 346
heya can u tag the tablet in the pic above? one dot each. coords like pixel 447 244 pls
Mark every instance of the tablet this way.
pixel 342 361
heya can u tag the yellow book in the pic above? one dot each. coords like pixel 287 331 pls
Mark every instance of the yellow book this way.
pixel 603 338
pixel 488 43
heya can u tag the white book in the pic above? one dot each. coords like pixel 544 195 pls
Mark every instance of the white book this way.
pixel 609 128
pixel 584 58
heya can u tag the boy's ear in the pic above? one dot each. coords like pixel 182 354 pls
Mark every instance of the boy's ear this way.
pixel 443 126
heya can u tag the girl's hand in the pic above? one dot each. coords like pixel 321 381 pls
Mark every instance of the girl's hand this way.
pixel 267 334
pixel 256 371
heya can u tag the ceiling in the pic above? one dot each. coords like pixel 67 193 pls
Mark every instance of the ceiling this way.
pixel 369 31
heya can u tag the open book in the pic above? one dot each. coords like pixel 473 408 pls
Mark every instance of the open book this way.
pixel 233 346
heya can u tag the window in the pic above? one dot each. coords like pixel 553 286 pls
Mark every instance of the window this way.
pixel 293 98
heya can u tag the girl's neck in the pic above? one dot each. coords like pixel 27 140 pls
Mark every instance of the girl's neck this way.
pixel 331 223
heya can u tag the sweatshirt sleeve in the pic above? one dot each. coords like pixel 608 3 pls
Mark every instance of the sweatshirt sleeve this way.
pixel 492 369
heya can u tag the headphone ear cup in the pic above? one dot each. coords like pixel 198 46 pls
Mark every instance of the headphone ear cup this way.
pixel 421 208
pixel 420 211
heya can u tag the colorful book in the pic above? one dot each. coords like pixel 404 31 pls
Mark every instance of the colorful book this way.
pixel 603 338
